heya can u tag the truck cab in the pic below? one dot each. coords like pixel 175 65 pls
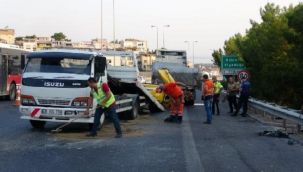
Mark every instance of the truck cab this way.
pixel 54 86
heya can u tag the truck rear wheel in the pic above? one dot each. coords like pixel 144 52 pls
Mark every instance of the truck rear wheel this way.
pixel 37 124
pixel 12 92
pixel 134 112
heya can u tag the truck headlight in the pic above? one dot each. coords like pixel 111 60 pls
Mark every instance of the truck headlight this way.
pixel 81 101
pixel 27 100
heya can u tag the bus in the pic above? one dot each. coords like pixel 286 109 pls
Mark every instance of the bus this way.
pixel 12 62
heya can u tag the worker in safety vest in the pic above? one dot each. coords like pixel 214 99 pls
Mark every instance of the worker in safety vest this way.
pixel 106 104
pixel 218 87
pixel 177 101
pixel 207 97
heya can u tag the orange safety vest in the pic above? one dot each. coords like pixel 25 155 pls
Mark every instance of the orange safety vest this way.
pixel 208 88
pixel 173 90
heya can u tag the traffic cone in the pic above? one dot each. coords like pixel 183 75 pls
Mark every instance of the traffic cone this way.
pixel 18 97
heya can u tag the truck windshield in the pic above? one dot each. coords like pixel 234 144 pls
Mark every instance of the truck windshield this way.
pixel 59 65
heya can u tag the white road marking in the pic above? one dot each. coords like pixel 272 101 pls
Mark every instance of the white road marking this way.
pixel 192 158
pixel 199 104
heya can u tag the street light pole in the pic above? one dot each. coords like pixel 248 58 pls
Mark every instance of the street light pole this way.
pixel 194 42
pixel 101 25
pixel 188 49
pixel 157 28
pixel 164 34
pixel 114 32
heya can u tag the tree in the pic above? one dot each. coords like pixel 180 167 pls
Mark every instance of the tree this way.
pixel 59 36
pixel 31 37
pixel 272 51
pixel 217 54
pixel 19 38
pixel 231 46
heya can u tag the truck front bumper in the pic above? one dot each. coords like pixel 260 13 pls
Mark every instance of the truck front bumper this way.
pixel 51 114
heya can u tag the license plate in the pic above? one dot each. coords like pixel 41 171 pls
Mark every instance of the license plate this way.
pixel 51 112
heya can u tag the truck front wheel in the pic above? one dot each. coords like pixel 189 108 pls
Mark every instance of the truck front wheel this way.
pixel 37 124
pixel 12 92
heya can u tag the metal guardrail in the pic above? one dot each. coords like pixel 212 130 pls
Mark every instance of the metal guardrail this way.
pixel 273 109
pixel 279 111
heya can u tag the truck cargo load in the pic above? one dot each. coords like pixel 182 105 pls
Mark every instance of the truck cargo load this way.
pixel 180 73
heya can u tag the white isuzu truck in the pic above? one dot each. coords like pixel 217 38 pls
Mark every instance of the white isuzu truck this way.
pixel 54 88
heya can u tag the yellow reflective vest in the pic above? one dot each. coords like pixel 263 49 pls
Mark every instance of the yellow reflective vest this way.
pixel 101 95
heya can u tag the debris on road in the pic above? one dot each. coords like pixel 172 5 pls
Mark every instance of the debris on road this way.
pixel 275 133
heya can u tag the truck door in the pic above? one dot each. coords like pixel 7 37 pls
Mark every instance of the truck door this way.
pixel 3 73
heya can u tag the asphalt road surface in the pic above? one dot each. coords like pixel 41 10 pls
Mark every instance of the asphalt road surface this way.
pixel 230 144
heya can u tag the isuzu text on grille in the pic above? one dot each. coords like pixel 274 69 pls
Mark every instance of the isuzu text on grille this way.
pixel 53 84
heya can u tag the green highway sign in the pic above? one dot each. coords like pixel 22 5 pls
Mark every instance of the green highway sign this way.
pixel 231 65
pixel 231 62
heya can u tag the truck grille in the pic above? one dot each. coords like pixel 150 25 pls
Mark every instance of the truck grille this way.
pixel 53 102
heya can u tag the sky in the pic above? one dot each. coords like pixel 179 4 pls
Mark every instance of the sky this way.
pixel 210 22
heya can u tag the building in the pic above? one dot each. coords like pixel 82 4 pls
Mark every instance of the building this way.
pixel 82 45
pixel 44 43
pixel 29 44
pixel 145 61
pixel 116 46
pixel 212 69
pixel 190 64
pixel 135 45
pixel 61 44
pixel 43 39
pixel 7 36
pixel 119 58
pixel 33 43
pixel 99 44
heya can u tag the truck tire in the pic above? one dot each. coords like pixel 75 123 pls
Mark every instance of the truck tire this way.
pixel 37 124
pixel 12 92
pixel 190 102
pixel 134 113
pixel 153 108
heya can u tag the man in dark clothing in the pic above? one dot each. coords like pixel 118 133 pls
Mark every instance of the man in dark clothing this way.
pixel 243 100
pixel 232 91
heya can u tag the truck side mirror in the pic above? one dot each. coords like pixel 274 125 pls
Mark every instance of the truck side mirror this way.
pixel 100 65
pixel 22 62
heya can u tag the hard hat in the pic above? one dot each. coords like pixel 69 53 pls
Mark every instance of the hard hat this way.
pixel 206 73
